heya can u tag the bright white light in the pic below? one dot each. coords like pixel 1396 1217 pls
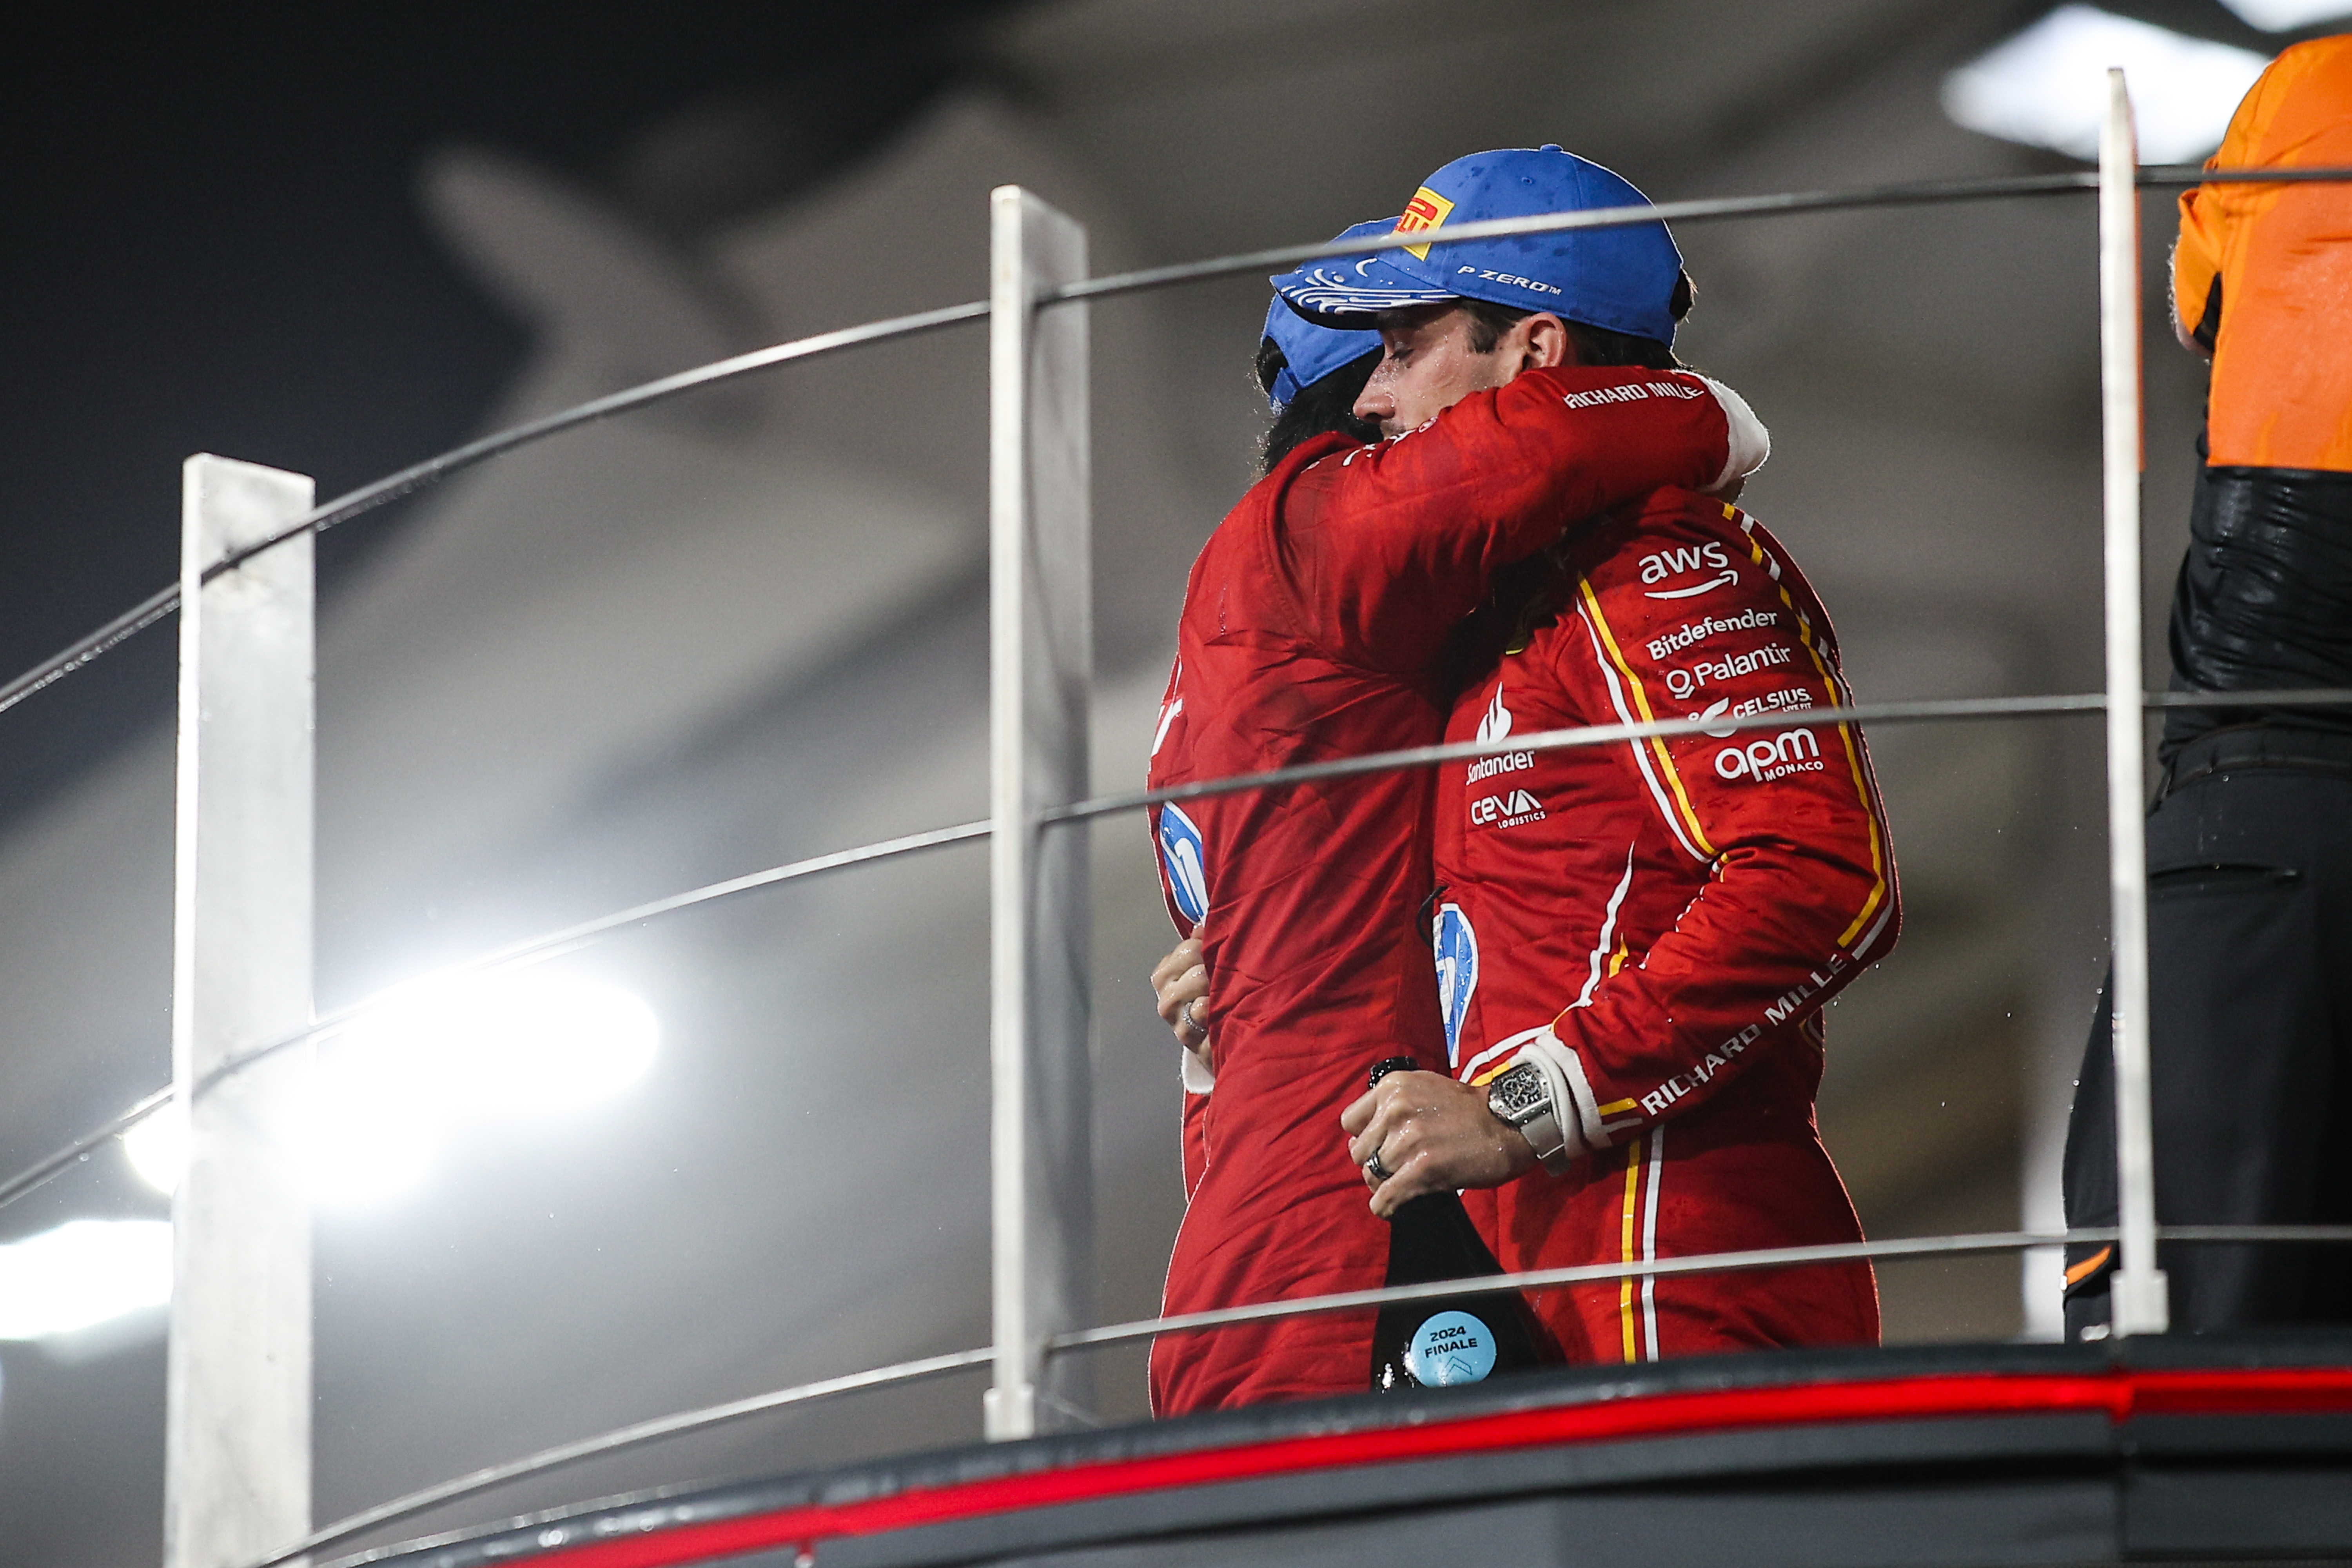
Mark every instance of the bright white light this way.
pixel 385 1091
pixel 83 1273
pixel 373 1119
pixel 508 1043
pixel 158 1147
pixel 523 1042
pixel 2047 87
pixel 2284 16
pixel 533 1043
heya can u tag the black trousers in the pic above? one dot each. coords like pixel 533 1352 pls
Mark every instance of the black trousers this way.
pixel 2249 992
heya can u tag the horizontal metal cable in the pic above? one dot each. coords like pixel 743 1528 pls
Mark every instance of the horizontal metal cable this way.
pixel 2176 175
pixel 1707 1263
pixel 1905 193
pixel 1610 734
pixel 2200 1234
pixel 1562 740
pixel 614 1442
pixel 2278 697
pixel 391 487
pixel 1710 1263
pixel 514 954
pixel 121 630
pixel 39 1174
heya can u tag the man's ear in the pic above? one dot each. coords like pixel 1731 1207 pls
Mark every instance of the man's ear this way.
pixel 1547 342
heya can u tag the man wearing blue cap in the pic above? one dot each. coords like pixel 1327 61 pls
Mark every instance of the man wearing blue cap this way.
pixel 1616 293
pixel 1316 624
pixel 1637 939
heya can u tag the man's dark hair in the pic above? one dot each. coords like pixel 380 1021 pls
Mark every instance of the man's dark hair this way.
pixel 1594 345
pixel 1330 405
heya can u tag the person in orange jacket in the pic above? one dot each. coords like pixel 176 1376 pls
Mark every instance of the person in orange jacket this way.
pixel 2250 844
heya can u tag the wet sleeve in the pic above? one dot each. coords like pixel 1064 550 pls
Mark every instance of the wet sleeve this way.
pixel 1387 547
pixel 1788 823
pixel 2196 270
pixel 2206 214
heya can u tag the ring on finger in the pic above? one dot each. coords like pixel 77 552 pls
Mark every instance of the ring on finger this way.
pixel 1191 1020
pixel 1374 1169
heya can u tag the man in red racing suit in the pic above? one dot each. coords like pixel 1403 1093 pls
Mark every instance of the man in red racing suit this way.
pixel 1662 921
pixel 1313 625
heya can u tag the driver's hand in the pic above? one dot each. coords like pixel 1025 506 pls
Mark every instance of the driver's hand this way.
pixel 1180 984
pixel 1432 1134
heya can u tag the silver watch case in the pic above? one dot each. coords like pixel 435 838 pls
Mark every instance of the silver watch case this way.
pixel 1519 1095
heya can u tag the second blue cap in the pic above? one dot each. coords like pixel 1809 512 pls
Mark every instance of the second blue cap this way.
pixel 1311 351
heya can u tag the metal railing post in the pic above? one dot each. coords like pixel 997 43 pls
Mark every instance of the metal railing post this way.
pixel 1041 675
pixel 2140 1305
pixel 238 1423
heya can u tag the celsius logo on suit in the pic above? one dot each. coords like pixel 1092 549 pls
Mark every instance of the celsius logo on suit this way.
pixel 1181 857
pixel 1458 972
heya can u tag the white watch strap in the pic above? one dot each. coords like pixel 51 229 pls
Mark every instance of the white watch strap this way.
pixel 1555 1138
pixel 1580 1124
pixel 1542 1131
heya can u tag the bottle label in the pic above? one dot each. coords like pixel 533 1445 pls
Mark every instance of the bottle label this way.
pixel 1450 1348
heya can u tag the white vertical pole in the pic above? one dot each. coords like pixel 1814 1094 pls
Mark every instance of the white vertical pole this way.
pixel 2139 1302
pixel 237 1421
pixel 1041 675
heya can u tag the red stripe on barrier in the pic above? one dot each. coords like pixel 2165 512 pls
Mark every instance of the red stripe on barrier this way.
pixel 2116 1394
pixel 2275 1391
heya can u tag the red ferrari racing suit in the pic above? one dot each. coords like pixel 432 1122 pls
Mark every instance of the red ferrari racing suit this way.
pixel 1668 917
pixel 1313 628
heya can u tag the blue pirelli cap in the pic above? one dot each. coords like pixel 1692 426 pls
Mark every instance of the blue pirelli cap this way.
pixel 1621 279
pixel 1311 351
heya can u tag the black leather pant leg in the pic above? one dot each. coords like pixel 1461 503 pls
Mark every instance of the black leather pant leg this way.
pixel 2247 969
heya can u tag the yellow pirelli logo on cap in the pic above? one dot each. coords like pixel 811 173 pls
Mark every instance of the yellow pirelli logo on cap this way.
pixel 1427 210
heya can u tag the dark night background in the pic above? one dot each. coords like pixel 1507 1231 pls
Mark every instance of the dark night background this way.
pixel 216 246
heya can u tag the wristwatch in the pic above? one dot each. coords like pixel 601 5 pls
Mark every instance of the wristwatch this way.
pixel 1520 1096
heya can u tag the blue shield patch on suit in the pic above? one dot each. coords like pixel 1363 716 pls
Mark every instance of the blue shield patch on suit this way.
pixel 1456 946
pixel 1182 858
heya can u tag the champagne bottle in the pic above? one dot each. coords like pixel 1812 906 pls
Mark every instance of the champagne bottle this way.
pixel 1453 1339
